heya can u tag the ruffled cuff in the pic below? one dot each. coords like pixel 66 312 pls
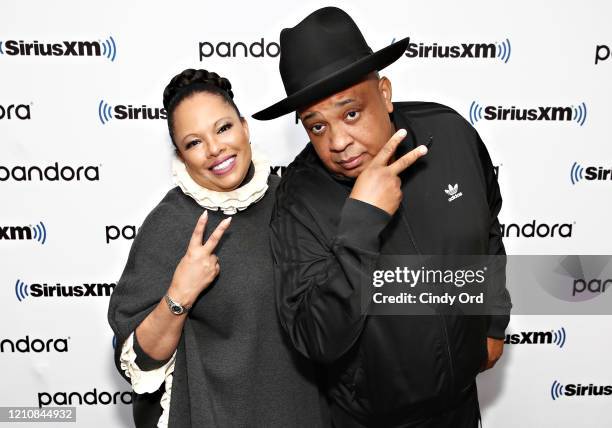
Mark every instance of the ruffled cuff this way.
pixel 143 381
pixel 165 404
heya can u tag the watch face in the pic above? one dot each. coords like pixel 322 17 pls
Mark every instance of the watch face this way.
pixel 177 309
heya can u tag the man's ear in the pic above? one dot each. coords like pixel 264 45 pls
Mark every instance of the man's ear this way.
pixel 384 87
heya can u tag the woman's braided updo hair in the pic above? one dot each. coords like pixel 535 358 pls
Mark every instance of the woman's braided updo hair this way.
pixel 189 82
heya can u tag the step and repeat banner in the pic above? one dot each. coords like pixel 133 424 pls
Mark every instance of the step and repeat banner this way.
pixel 85 155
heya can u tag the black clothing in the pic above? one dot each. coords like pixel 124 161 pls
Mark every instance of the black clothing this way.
pixel 464 413
pixel 342 57
pixel 388 370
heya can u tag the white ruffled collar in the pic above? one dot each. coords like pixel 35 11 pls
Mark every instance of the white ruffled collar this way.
pixel 228 202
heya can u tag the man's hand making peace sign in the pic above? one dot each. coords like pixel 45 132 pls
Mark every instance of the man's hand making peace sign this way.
pixel 379 184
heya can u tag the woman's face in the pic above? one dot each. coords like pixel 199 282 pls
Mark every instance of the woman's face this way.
pixel 212 140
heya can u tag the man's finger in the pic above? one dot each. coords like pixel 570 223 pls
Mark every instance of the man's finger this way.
pixel 215 237
pixel 383 156
pixel 408 159
pixel 198 232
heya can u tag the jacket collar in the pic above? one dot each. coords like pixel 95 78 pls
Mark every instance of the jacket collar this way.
pixel 417 134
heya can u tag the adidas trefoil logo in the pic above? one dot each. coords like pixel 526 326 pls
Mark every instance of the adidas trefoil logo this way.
pixel 452 191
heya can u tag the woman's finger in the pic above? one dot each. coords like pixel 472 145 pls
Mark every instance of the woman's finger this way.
pixel 215 237
pixel 198 232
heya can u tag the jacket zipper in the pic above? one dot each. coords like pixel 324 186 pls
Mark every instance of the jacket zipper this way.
pixel 440 316
pixel 448 350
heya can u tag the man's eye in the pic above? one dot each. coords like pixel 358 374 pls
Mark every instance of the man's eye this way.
pixel 352 115
pixel 224 128
pixel 317 129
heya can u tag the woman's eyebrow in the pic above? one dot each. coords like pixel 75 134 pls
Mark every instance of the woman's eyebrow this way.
pixel 222 119
pixel 187 136
pixel 191 134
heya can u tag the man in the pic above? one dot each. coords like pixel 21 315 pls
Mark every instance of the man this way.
pixel 366 186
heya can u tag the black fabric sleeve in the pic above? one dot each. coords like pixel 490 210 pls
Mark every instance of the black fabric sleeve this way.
pixel 499 298
pixel 155 252
pixel 144 361
pixel 318 279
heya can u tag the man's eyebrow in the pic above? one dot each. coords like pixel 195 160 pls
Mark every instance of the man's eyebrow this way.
pixel 344 102
pixel 308 116
pixel 338 104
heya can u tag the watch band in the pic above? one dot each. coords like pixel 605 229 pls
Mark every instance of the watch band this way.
pixel 175 307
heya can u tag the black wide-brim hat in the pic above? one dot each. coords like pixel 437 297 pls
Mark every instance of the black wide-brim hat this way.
pixel 324 54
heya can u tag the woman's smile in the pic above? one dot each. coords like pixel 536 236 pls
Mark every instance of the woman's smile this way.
pixel 223 165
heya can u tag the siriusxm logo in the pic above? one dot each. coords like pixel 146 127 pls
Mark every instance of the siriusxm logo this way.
pixel 49 173
pixel 558 390
pixel 498 51
pixel 543 113
pixel 533 230
pixel 103 48
pixel 553 337
pixel 36 233
pixel 26 345
pixel 106 112
pixel 19 111
pixel 591 173
pixel 23 290
pixel 257 49
pixel 90 398
pixel 602 53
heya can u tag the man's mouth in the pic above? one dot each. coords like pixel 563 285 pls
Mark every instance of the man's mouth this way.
pixel 352 162
pixel 224 165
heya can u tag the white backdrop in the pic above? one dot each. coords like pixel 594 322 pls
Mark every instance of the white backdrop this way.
pixel 67 110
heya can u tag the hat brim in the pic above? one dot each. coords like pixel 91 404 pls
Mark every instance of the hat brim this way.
pixel 335 82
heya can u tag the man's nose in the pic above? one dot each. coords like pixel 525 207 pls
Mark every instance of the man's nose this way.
pixel 339 140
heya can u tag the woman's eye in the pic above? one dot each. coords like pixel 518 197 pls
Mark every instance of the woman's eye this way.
pixel 317 129
pixel 224 128
pixel 192 143
pixel 352 115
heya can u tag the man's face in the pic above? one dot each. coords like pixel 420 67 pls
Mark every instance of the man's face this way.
pixel 349 128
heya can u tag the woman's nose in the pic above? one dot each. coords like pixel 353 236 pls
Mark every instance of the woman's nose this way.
pixel 214 147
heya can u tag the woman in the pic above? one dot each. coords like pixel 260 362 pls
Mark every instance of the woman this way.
pixel 193 312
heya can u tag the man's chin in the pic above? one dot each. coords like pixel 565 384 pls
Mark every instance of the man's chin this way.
pixel 350 173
